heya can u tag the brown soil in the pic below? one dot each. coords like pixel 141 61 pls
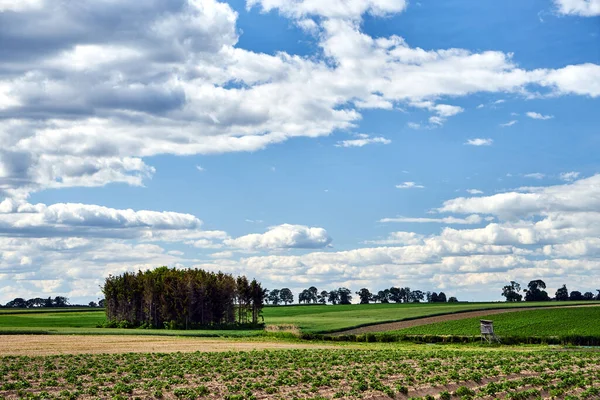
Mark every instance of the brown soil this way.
pixel 41 345
pixel 394 326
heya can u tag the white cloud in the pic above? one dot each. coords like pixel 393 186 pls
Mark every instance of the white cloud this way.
pixel 569 176
pixel 474 191
pixel 471 219
pixel 332 9
pixel 284 236
pixel 479 142
pixel 535 115
pixel 535 175
pixel 363 141
pixel 20 5
pixel 94 104
pixel 399 238
pixel 584 8
pixel 409 185
pixel 199 168
pixel 480 106
pixel 578 196
pixel 414 125
pixel 509 123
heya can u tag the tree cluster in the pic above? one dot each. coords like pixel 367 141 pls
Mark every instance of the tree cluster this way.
pixel 402 295
pixel 535 292
pixel 343 295
pixel 182 299
pixel 58 301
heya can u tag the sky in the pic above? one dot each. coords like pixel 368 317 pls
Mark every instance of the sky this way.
pixel 445 146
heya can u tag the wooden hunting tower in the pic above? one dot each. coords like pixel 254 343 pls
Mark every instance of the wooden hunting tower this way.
pixel 487 331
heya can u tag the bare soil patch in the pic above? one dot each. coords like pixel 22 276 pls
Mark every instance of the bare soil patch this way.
pixel 42 345
pixel 394 326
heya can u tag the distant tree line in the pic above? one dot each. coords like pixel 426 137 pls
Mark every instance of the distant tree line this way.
pixel 343 295
pixel 535 292
pixel 182 299
pixel 38 302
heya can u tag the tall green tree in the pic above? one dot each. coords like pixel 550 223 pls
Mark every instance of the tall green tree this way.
pixel 562 294
pixel 365 296
pixel 286 296
pixel 511 292
pixel 345 295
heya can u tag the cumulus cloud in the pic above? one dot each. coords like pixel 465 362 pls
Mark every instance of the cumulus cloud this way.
pixel 332 9
pixel 409 185
pixel 479 142
pixel 84 104
pixel 535 115
pixel 584 8
pixel 363 140
pixel 474 191
pixel 509 123
pixel 22 219
pixel 284 236
pixel 579 196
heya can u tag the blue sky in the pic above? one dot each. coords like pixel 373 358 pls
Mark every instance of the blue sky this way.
pixel 363 143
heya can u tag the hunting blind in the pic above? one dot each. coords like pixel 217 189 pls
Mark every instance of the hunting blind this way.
pixel 487 331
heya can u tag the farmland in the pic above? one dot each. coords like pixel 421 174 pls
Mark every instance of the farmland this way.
pixel 307 374
pixel 565 321
pixel 272 367
pixel 309 319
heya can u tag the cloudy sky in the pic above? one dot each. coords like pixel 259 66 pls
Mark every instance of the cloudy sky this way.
pixel 363 143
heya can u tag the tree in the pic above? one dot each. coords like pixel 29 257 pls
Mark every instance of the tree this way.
pixel 441 297
pixel 562 294
pixel 35 303
pixel 535 292
pixel 365 296
pixel 405 294
pixel 395 295
pixel 452 300
pixel 588 296
pixel 304 296
pixel 333 297
pixel 286 296
pixel 433 297
pixel 417 296
pixel 274 297
pixel 576 296
pixel 102 303
pixel 314 294
pixel 92 304
pixel 511 292
pixel 323 296
pixel 17 303
pixel 48 302
pixel 383 296
pixel 345 295
pixel 60 301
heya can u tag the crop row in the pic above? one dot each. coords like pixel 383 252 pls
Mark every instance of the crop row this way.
pixel 315 374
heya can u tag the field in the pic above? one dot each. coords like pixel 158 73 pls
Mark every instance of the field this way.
pixel 558 322
pixel 309 319
pixel 278 367
pixel 306 374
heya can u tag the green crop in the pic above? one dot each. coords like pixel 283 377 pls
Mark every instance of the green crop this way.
pixel 305 374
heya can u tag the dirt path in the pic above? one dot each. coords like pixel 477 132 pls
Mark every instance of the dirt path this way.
pixel 394 326
pixel 41 345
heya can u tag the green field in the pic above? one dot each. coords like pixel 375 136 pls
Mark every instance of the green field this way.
pixel 309 319
pixel 306 374
pixel 582 321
